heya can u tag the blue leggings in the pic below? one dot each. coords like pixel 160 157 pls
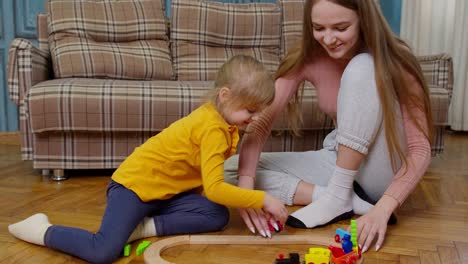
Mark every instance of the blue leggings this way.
pixel 185 213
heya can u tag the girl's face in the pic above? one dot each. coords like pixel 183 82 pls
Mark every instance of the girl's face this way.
pixel 240 116
pixel 336 28
pixel 235 115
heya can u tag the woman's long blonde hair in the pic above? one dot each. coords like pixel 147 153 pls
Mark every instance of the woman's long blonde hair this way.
pixel 392 59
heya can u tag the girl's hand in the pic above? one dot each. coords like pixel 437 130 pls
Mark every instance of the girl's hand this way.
pixel 373 225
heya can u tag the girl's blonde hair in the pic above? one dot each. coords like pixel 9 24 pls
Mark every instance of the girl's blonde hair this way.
pixel 250 83
pixel 392 59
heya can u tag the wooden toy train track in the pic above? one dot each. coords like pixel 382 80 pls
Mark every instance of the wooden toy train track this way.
pixel 153 253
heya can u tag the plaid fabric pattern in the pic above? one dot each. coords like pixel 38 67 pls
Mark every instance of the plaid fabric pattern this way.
pixel 42 34
pixel 125 39
pixel 79 104
pixel 293 12
pixel 438 71
pixel 440 101
pixel 27 65
pixel 87 150
pixel 106 150
pixel 205 34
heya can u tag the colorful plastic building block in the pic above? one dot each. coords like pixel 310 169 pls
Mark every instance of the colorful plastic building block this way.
pixel 339 235
pixel 354 234
pixel 336 251
pixel 350 252
pixel 350 258
pixel 142 246
pixel 347 245
pixel 272 228
pixel 127 250
pixel 317 256
pixel 339 257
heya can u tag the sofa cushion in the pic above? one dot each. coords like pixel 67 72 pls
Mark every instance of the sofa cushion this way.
pixel 205 34
pixel 293 12
pixel 83 104
pixel 79 104
pixel 42 35
pixel 125 39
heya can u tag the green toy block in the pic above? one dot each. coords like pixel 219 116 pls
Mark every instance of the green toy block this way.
pixel 142 246
pixel 127 250
pixel 354 234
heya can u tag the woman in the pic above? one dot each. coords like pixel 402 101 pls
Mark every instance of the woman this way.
pixel 372 86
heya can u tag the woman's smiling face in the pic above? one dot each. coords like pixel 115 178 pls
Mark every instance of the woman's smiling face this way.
pixel 336 28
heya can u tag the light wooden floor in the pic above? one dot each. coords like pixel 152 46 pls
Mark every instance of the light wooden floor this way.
pixel 432 228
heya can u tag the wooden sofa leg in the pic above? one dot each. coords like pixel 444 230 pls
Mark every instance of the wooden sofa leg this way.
pixel 59 175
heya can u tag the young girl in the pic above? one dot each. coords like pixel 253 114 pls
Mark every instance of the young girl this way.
pixel 159 178
pixel 371 84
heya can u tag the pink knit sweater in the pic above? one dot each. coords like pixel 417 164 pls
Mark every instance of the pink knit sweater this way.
pixel 325 74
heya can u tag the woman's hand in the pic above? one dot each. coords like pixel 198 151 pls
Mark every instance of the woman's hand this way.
pixel 255 219
pixel 261 220
pixel 276 208
pixel 373 225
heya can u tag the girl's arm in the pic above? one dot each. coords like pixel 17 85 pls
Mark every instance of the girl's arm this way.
pixel 215 144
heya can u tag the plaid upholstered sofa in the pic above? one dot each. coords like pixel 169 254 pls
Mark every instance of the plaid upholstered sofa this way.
pixel 107 75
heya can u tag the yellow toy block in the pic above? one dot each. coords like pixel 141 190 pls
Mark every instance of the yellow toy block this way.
pixel 317 256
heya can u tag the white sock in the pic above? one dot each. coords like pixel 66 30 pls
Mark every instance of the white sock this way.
pixel 360 206
pixel 31 229
pixel 145 228
pixel 334 201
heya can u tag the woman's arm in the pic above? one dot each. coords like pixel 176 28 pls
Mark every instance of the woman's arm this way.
pixel 259 131
pixel 251 148
pixel 418 157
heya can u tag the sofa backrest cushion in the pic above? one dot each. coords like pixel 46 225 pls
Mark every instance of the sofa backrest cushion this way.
pixel 125 39
pixel 42 35
pixel 205 34
pixel 293 12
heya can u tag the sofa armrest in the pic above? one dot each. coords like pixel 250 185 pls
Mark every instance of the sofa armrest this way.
pixel 440 101
pixel 27 65
pixel 438 71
